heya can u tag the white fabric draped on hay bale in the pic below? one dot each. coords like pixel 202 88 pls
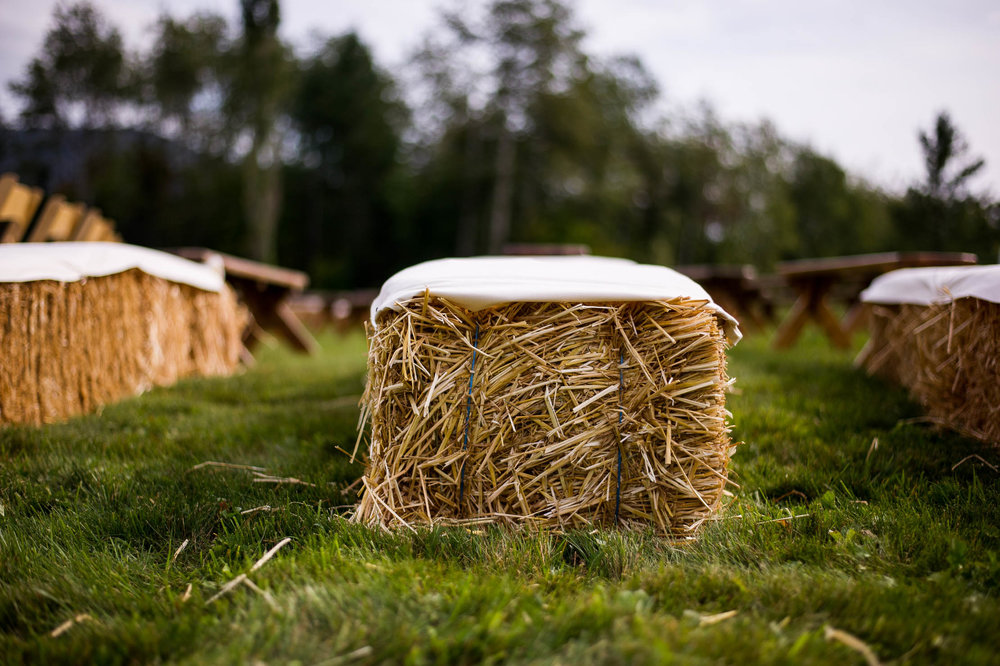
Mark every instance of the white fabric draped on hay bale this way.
pixel 521 405
pixel 936 331
pixel 85 324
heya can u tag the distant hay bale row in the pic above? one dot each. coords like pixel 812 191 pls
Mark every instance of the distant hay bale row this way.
pixel 947 355
pixel 517 414
pixel 69 347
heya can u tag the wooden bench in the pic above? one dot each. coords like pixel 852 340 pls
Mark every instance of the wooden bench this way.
pixel 545 249
pixel 57 221
pixel 814 280
pixel 18 204
pixel 95 227
pixel 264 289
pixel 735 289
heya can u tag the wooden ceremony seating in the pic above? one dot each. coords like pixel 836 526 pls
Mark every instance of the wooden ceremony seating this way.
pixel 58 220
pixel 18 204
pixel 95 227
pixel 265 290
pixel 544 249
pixel 815 280
pixel 734 288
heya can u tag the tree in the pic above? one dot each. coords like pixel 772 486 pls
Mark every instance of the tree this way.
pixel 184 62
pixel 833 215
pixel 130 129
pixel 716 194
pixel 345 230
pixel 260 80
pixel 946 159
pixel 82 74
pixel 229 96
pixel 523 109
pixel 942 213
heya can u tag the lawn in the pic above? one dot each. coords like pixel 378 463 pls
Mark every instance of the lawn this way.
pixel 853 529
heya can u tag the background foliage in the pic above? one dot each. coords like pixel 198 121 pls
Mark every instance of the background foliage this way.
pixel 502 129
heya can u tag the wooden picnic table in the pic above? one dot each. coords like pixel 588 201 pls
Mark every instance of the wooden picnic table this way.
pixel 264 289
pixel 815 279
pixel 734 288
pixel 544 249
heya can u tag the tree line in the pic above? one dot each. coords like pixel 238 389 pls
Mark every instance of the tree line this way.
pixel 503 129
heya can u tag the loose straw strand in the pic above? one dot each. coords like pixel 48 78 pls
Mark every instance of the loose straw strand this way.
pixel 468 414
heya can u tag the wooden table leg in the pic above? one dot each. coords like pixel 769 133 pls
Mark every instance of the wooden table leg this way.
pixel 854 319
pixel 829 322
pixel 293 330
pixel 754 308
pixel 811 304
pixel 790 329
pixel 266 304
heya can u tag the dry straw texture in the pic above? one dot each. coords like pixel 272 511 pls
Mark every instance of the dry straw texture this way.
pixel 558 389
pixel 947 355
pixel 67 348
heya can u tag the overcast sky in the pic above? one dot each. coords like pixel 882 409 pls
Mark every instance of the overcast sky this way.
pixel 854 79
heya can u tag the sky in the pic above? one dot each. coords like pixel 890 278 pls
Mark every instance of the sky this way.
pixel 856 80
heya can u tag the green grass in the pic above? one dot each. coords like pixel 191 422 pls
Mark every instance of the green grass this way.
pixel 888 543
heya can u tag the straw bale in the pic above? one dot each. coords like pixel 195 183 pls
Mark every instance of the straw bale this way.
pixel 947 355
pixel 68 348
pixel 532 433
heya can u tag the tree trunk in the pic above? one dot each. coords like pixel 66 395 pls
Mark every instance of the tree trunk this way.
pixel 262 202
pixel 502 192
pixel 465 237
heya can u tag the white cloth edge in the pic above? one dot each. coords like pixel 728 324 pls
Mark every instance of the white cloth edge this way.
pixel 481 282
pixel 934 285
pixel 74 261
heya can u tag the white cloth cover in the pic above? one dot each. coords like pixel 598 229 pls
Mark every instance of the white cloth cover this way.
pixel 926 286
pixel 480 282
pixel 71 262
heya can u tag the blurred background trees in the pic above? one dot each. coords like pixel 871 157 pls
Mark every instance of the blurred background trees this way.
pixel 503 130
pixel 347 188
pixel 942 212
pixel 80 76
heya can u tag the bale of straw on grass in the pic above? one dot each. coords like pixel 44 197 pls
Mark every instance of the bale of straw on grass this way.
pixel 68 348
pixel 947 355
pixel 554 414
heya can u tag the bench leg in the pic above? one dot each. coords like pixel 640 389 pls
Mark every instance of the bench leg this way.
pixel 791 328
pixel 271 313
pixel 811 304
pixel 854 319
pixel 830 324
pixel 292 329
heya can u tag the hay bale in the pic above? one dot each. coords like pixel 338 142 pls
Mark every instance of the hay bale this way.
pixel 936 331
pixel 549 413
pixel 947 355
pixel 69 347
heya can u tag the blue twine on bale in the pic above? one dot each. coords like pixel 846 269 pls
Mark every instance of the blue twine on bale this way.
pixel 468 417
pixel 468 413
pixel 621 416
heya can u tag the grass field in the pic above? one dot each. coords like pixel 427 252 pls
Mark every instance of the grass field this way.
pixel 848 522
